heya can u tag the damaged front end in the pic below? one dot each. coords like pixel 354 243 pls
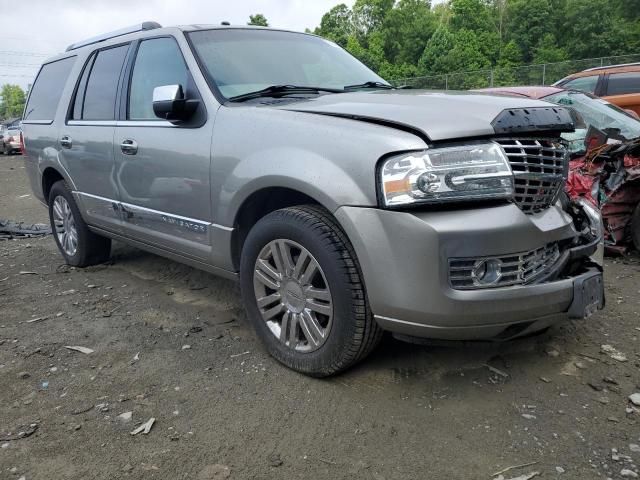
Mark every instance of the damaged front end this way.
pixel 608 178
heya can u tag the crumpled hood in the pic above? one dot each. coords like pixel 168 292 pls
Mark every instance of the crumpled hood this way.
pixel 436 115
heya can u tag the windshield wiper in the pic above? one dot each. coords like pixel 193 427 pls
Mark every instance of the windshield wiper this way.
pixel 377 85
pixel 277 90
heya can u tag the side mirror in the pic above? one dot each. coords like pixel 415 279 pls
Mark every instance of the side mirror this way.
pixel 169 103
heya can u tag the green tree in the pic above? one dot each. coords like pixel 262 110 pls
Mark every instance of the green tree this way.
pixel 13 99
pixel 438 47
pixel 258 20
pixel 510 58
pixel 406 30
pixel 403 38
pixel 368 15
pixel 548 51
pixel 527 23
pixel 336 25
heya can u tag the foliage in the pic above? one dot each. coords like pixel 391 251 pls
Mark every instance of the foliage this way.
pixel 13 99
pixel 258 20
pixel 404 38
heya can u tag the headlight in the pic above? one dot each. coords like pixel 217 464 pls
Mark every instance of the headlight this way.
pixel 468 172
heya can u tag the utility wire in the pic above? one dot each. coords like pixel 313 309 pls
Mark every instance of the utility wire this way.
pixel 20 65
pixel 25 54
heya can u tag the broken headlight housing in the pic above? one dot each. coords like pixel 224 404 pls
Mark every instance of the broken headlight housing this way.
pixel 468 172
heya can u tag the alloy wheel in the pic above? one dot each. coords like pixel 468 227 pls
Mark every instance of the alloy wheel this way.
pixel 65 226
pixel 293 295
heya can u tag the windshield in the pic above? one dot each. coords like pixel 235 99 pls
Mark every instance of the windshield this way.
pixel 241 61
pixel 597 113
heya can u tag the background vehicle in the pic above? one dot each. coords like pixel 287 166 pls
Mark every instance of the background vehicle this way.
pixel 593 111
pixel 605 149
pixel 11 141
pixel 618 84
pixel 342 205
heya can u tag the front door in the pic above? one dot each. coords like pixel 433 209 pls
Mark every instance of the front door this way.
pixel 162 169
pixel 86 139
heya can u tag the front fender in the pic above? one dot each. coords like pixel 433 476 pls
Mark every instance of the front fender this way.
pixel 332 160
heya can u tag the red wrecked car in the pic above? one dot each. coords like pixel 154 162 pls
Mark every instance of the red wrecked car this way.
pixel 605 159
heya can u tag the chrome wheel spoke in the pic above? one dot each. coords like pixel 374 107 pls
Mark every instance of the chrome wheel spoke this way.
pixel 267 275
pixel 285 256
pixel 321 308
pixel 318 294
pixel 311 329
pixel 273 311
pixel 284 327
pixel 292 295
pixel 300 264
pixel 268 300
pixel 293 332
pixel 309 272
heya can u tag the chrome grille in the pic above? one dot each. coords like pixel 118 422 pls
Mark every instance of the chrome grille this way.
pixel 540 169
pixel 516 269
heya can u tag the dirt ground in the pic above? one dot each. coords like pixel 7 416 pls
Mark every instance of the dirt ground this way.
pixel 172 343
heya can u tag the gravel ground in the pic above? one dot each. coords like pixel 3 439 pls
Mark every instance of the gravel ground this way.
pixel 172 343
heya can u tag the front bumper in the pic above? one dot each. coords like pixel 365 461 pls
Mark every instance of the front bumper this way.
pixel 404 259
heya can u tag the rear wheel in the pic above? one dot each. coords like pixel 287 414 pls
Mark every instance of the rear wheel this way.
pixel 635 227
pixel 78 245
pixel 303 291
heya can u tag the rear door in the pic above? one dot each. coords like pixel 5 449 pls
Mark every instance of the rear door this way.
pixel 86 139
pixel 623 90
pixel 162 169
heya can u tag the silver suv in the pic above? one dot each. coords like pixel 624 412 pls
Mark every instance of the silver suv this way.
pixel 344 206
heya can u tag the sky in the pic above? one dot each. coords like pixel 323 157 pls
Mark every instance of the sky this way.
pixel 31 30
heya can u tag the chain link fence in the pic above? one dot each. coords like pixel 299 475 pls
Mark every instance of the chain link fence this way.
pixel 544 74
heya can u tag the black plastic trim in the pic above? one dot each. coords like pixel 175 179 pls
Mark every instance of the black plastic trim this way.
pixel 533 120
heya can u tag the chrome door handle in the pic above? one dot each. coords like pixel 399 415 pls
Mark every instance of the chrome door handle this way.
pixel 129 147
pixel 66 142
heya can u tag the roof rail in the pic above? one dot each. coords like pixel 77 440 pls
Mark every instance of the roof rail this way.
pixel 612 66
pixel 117 33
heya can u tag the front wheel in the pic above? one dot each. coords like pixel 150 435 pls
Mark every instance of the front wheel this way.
pixel 78 245
pixel 303 291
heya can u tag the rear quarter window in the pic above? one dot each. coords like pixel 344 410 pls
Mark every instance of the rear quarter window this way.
pixel 584 84
pixel 102 85
pixel 623 83
pixel 47 90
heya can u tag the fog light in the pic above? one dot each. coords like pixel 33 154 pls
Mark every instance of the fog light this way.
pixel 487 272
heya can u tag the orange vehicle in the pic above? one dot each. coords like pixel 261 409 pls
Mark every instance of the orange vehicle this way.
pixel 618 84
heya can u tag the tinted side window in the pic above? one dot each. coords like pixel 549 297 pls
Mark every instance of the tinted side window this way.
pixel 584 84
pixel 158 62
pixel 102 86
pixel 76 113
pixel 47 90
pixel 623 83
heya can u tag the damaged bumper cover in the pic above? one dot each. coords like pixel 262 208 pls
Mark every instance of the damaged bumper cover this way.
pixel 405 260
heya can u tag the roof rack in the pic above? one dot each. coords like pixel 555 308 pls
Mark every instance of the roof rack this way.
pixel 117 33
pixel 611 66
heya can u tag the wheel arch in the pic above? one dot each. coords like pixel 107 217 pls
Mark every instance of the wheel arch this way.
pixel 259 204
pixel 50 176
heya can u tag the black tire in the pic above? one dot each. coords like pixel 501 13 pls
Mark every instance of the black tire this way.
pixel 354 332
pixel 635 228
pixel 92 249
